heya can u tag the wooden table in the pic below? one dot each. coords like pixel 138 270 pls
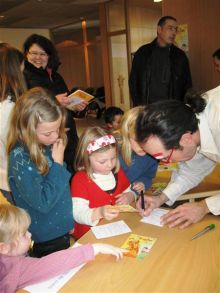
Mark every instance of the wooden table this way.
pixel 174 264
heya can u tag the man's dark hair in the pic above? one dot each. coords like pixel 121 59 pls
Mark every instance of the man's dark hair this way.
pixel 216 54
pixel 163 19
pixel 46 45
pixel 111 112
pixel 169 120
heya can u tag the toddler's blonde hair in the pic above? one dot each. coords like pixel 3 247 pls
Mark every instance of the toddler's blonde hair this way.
pixel 14 221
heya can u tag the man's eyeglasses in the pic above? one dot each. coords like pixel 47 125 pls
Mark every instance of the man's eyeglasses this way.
pixel 165 160
pixel 36 54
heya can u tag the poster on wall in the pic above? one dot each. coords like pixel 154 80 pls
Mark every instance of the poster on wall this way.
pixel 182 40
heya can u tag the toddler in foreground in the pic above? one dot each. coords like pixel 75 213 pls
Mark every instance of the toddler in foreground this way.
pixel 18 270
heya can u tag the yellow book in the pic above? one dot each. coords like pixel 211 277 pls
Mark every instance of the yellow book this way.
pixel 138 246
pixel 78 97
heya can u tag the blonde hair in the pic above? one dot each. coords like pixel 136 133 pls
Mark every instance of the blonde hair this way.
pixel 14 221
pixel 82 161
pixel 34 107
pixel 128 130
pixel 12 81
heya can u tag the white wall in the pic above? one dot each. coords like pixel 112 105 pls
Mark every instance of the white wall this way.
pixel 16 37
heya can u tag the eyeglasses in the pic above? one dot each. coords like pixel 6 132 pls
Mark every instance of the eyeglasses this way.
pixel 168 159
pixel 165 160
pixel 36 54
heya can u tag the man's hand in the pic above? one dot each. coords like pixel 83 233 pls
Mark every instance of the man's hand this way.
pixel 151 202
pixel 185 214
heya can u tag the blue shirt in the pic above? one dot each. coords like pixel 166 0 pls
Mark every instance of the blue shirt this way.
pixel 142 169
pixel 46 198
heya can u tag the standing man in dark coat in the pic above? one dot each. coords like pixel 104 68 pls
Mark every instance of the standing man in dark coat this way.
pixel 160 70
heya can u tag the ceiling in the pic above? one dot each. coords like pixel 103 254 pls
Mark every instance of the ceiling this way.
pixel 62 17
pixel 50 14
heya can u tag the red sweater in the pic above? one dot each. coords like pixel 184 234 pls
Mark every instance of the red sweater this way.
pixel 84 187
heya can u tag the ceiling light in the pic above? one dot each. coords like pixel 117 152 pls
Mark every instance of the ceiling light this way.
pixel 157 0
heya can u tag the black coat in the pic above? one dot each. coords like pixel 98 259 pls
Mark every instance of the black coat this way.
pixel 39 77
pixel 139 80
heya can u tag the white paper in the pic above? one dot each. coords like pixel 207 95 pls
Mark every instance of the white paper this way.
pixel 110 230
pixel 55 284
pixel 154 217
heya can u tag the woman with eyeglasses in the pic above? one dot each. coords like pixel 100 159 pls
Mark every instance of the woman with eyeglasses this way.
pixel 41 66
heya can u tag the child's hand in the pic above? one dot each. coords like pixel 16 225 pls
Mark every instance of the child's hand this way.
pixel 104 212
pixel 58 151
pixel 63 99
pixel 138 186
pixel 108 249
pixel 125 198
pixel 107 213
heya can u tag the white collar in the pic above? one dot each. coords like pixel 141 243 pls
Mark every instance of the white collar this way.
pixel 105 182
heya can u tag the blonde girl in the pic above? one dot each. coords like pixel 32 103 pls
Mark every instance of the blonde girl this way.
pixel 18 270
pixel 38 178
pixel 12 85
pixel 99 182
pixel 139 167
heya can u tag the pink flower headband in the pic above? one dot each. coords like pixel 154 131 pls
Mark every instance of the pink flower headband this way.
pixel 99 143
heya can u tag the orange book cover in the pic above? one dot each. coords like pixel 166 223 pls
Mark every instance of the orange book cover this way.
pixel 138 246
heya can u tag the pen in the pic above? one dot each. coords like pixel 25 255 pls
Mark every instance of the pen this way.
pixel 206 229
pixel 142 200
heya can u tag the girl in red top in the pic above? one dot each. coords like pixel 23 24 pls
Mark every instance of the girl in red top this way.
pixel 99 182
